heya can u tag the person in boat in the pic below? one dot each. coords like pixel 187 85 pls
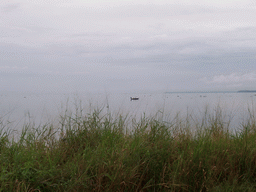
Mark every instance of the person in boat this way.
pixel 134 98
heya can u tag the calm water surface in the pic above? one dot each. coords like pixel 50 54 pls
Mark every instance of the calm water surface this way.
pixel 18 108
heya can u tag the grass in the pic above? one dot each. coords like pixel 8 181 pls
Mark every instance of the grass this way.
pixel 101 152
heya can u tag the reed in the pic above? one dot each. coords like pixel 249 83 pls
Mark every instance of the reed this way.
pixel 105 152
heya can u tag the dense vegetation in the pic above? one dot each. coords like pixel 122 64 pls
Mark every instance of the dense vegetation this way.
pixel 99 152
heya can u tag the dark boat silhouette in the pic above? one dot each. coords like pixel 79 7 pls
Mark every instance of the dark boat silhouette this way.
pixel 134 98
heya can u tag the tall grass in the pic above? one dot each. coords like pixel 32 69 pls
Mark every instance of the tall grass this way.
pixel 103 152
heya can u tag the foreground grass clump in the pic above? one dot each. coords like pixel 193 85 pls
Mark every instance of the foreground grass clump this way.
pixel 97 152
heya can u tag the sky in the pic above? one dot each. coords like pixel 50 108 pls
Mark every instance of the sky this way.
pixel 127 45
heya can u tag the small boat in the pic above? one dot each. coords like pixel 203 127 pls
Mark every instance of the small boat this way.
pixel 134 98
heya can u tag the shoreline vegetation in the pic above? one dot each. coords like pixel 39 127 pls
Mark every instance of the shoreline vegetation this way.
pixel 105 152
pixel 247 91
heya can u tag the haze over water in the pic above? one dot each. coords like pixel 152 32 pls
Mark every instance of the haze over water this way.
pixel 43 108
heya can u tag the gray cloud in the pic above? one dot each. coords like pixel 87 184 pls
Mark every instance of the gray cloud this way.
pixel 10 7
pixel 126 45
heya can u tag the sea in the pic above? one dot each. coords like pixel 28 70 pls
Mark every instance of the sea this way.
pixel 20 108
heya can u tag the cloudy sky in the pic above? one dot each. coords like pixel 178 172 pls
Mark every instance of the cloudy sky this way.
pixel 127 45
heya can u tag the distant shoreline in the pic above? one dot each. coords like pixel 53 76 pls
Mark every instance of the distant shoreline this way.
pixel 202 92
pixel 247 91
pixel 240 91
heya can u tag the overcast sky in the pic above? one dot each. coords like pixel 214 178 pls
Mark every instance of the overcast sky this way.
pixel 127 45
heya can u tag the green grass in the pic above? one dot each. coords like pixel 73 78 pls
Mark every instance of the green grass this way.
pixel 100 152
